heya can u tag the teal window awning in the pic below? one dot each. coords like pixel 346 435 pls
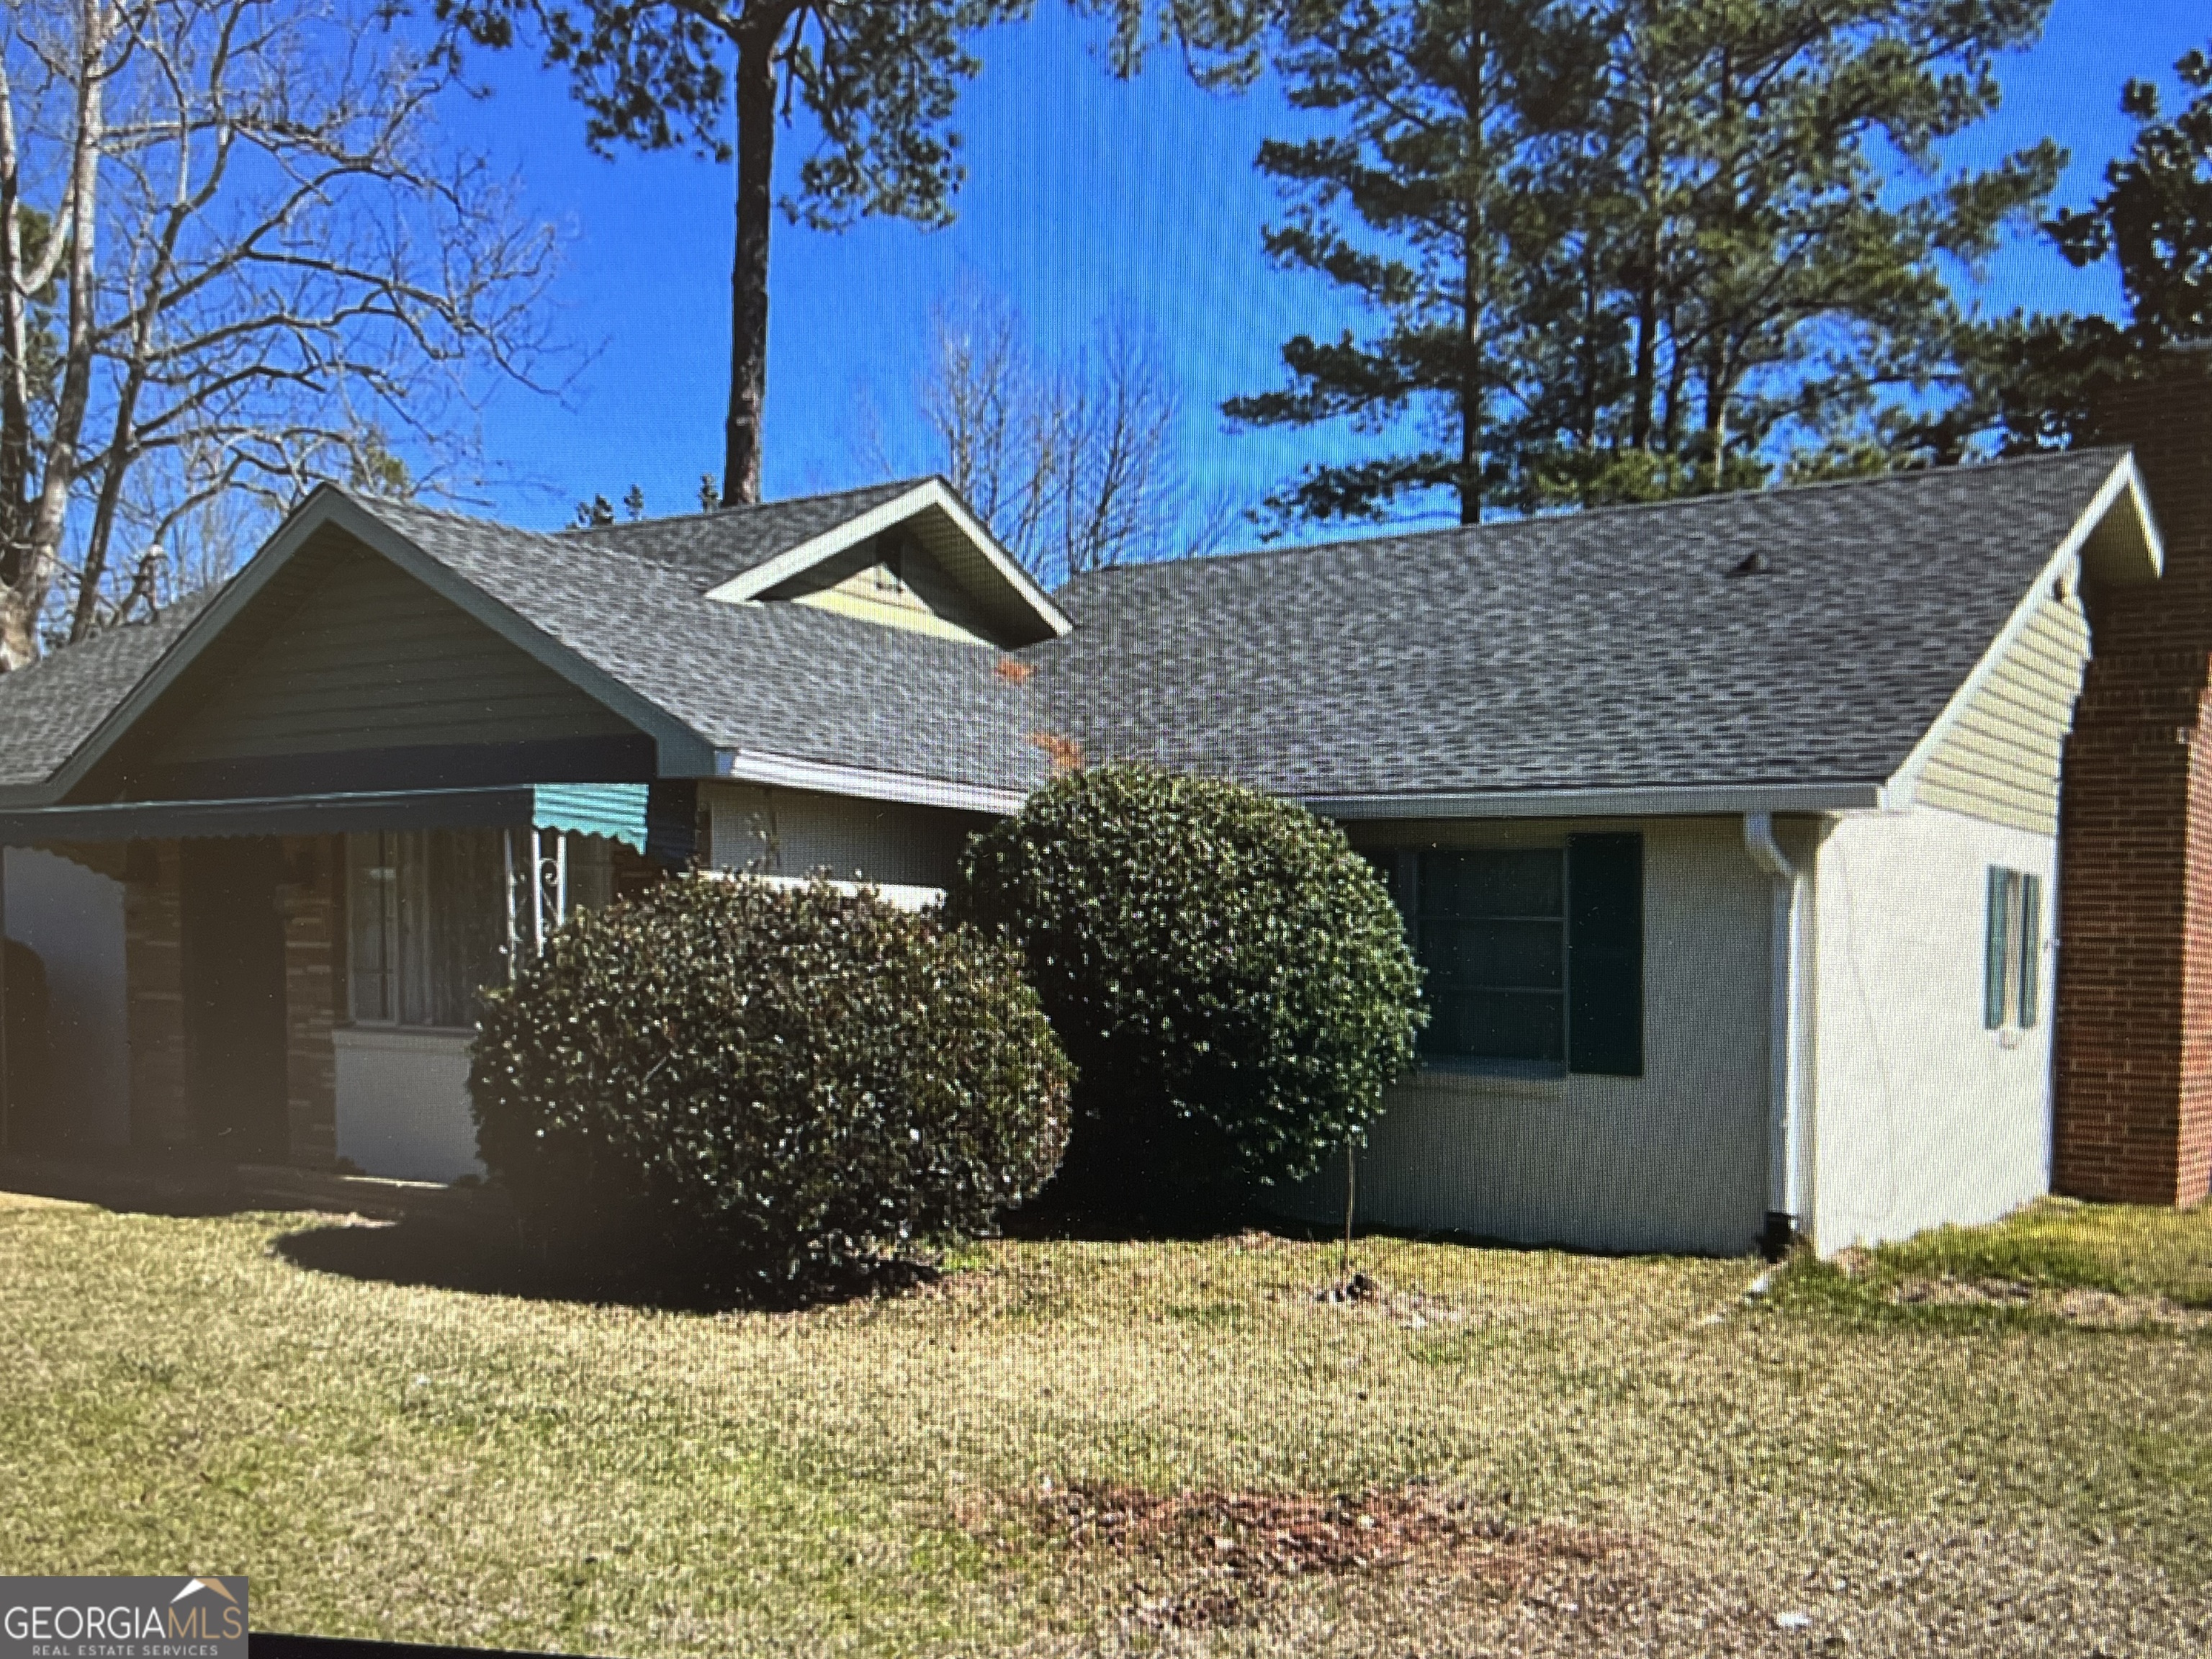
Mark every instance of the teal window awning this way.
pixel 616 811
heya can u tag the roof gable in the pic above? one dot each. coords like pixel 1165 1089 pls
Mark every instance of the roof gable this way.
pixel 2013 774
pixel 931 516
pixel 720 543
pixel 891 580
pixel 783 690
pixel 348 653
pixel 289 564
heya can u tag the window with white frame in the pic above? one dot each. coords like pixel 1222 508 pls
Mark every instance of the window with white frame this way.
pixel 2012 950
pixel 430 915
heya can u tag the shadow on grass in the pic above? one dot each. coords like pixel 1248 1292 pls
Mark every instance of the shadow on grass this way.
pixel 435 1254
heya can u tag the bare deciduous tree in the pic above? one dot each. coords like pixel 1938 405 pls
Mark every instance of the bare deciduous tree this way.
pixel 1073 461
pixel 236 259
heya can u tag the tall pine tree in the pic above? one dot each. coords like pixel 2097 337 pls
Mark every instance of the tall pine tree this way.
pixel 1698 257
pixel 1414 207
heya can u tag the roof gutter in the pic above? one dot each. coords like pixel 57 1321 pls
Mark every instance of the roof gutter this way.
pixel 1787 1211
pixel 1666 800
pixel 782 771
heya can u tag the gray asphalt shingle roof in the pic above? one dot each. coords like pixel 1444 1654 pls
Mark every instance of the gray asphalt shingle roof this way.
pixel 713 546
pixel 49 709
pixel 1603 650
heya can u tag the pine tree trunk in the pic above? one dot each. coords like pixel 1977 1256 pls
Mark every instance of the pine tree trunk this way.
pixel 755 123
pixel 1647 350
pixel 1473 287
pixel 1647 287
pixel 1716 397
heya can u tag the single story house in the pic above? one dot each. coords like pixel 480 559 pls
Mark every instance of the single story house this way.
pixel 1727 829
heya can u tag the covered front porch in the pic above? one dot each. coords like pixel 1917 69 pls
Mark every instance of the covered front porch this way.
pixel 290 980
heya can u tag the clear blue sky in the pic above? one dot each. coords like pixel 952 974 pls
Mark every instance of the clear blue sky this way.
pixel 1083 194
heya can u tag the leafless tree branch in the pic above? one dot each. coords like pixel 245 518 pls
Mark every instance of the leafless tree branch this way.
pixel 1072 462
pixel 237 257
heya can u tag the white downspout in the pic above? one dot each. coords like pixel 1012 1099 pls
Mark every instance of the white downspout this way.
pixel 1786 1209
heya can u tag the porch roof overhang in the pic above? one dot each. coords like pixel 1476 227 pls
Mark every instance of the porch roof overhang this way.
pixel 616 811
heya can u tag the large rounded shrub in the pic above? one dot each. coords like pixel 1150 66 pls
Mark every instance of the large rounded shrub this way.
pixel 1229 976
pixel 739 1084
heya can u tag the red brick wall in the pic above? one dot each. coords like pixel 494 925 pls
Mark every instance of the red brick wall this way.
pixel 2133 1065
pixel 154 961
pixel 314 991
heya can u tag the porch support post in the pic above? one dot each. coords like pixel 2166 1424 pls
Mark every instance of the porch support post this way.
pixel 536 891
pixel 513 924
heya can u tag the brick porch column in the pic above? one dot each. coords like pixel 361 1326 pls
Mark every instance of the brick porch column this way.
pixel 2133 1060
pixel 313 985
pixel 153 965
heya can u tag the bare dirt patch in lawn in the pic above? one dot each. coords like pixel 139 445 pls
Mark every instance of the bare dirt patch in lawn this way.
pixel 2088 1307
pixel 1195 1561
pixel 1361 1293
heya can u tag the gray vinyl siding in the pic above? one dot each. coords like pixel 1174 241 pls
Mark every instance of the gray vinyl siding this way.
pixel 371 658
pixel 2001 761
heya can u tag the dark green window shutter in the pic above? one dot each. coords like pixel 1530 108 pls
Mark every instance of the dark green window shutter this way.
pixel 2031 948
pixel 1996 948
pixel 1605 955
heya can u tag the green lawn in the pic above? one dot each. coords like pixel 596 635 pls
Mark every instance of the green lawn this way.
pixel 2057 1245
pixel 1076 1447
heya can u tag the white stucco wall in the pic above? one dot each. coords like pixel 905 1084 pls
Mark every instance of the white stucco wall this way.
pixel 1920 1116
pixel 1675 1160
pixel 791 832
pixel 73 918
pixel 403 1102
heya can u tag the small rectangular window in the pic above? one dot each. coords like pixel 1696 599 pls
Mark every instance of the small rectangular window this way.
pixel 2012 950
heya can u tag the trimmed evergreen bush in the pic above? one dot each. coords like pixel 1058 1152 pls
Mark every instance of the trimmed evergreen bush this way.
pixel 732 1085
pixel 1229 978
